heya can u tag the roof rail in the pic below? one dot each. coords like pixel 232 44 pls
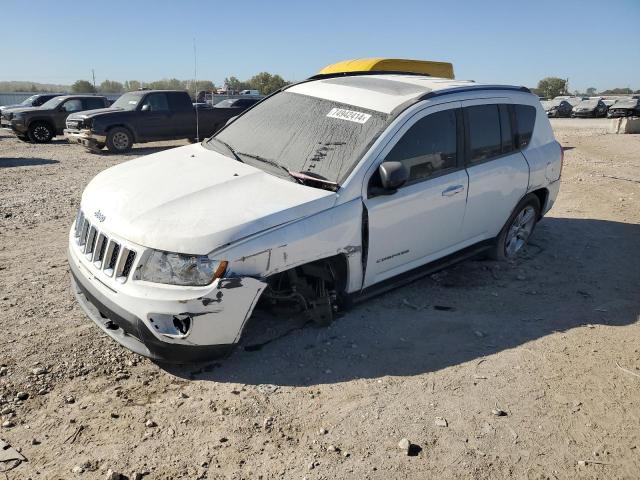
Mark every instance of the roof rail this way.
pixel 470 88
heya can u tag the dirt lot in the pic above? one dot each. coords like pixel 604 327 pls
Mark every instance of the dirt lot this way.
pixel 552 340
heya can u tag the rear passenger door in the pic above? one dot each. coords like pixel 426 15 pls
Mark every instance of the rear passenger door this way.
pixel 184 115
pixel 422 220
pixel 498 172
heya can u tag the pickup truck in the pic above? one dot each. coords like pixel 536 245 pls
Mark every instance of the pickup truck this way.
pixel 33 101
pixel 145 116
pixel 41 124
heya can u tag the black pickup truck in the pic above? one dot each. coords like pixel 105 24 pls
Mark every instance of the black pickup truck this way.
pixel 145 116
pixel 41 124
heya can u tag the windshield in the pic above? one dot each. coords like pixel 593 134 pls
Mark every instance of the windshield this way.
pixel 28 101
pixel 626 103
pixel 318 137
pixel 53 103
pixel 128 101
pixel 225 103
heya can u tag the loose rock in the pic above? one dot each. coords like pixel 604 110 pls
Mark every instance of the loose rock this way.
pixel 405 446
pixel 111 475
pixel 22 395
pixel 499 412
pixel 441 422
pixel 150 423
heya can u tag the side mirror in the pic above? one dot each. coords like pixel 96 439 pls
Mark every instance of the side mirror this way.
pixel 393 175
pixel 145 108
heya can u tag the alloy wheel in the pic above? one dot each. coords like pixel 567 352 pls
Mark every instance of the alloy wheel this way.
pixel 520 231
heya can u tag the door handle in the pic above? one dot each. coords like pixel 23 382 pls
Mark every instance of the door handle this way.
pixel 452 190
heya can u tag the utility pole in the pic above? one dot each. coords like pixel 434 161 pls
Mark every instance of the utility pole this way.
pixel 93 73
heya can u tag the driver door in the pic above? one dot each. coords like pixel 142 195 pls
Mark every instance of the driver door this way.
pixel 69 106
pixel 422 220
pixel 155 118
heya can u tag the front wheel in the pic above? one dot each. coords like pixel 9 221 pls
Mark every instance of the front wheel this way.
pixel 518 229
pixel 119 140
pixel 40 132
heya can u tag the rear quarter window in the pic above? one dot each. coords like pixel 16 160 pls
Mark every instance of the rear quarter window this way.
pixel 525 122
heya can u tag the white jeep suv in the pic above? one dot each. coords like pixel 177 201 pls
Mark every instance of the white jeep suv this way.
pixel 323 193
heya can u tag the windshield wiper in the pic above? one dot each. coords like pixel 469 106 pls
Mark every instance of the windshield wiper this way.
pixel 228 147
pixel 270 162
pixel 316 177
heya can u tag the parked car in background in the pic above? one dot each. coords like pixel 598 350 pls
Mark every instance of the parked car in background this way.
pixel 557 108
pixel 41 124
pixel 325 193
pixel 628 107
pixel 591 107
pixel 249 92
pixel 144 116
pixel 32 101
pixel 202 106
pixel 237 104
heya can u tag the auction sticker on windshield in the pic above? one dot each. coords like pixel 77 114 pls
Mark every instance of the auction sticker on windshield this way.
pixel 349 115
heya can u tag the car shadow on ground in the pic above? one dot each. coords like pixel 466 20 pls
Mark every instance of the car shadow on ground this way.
pixel 576 275
pixel 139 151
pixel 25 162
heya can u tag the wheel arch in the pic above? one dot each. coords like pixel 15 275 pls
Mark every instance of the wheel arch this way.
pixel 124 125
pixel 543 196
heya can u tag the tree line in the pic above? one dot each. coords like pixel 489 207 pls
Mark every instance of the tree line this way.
pixel 551 87
pixel 264 82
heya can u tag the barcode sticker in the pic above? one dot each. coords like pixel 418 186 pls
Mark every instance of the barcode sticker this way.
pixel 349 115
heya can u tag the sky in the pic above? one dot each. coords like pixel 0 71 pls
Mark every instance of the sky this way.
pixel 592 43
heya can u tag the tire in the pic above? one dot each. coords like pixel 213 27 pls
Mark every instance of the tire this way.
pixel 119 140
pixel 40 132
pixel 518 230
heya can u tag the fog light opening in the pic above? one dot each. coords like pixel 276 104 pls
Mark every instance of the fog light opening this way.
pixel 182 323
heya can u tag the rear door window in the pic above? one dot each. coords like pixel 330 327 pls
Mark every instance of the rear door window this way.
pixel 93 103
pixel 484 136
pixel 180 102
pixel 525 121
pixel 505 129
pixel 428 147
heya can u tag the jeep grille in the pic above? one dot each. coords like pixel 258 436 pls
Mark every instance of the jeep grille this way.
pixel 105 254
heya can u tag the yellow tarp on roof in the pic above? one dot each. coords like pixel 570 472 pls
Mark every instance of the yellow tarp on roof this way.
pixel 434 69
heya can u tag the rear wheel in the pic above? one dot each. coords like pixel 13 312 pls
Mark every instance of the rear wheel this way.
pixel 119 140
pixel 40 132
pixel 518 229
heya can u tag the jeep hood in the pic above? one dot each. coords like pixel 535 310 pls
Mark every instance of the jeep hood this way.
pixel 194 200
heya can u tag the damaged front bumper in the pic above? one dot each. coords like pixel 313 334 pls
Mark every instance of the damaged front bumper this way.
pixel 84 137
pixel 166 323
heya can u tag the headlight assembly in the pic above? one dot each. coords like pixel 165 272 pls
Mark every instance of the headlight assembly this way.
pixel 179 269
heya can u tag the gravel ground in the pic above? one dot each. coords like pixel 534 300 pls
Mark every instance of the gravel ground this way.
pixel 522 370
